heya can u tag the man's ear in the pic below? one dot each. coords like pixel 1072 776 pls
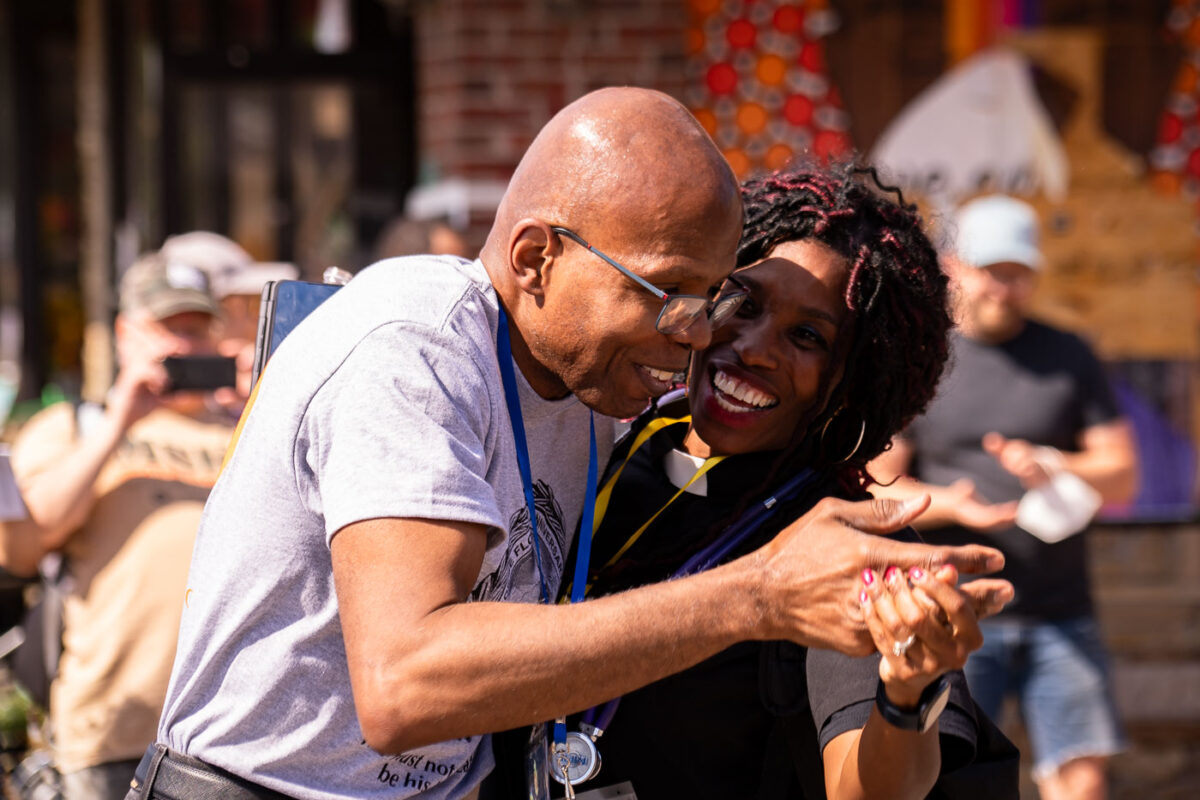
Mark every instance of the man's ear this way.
pixel 532 247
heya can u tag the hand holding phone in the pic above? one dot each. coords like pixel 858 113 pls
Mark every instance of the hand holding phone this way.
pixel 199 373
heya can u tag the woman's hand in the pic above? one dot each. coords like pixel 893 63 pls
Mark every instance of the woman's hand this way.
pixel 922 625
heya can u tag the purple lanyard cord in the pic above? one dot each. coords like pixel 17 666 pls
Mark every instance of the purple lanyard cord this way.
pixel 707 558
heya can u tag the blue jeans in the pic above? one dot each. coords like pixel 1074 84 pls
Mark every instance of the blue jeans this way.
pixel 1059 673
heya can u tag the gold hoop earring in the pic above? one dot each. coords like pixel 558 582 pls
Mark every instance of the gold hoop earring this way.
pixel 862 432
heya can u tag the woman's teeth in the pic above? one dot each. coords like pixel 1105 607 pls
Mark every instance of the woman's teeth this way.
pixel 742 392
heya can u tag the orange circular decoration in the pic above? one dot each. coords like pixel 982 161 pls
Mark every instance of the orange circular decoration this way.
pixel 788 19
pixel 798 110
pixel 721 78
pixel 738 160
pixel 707 120
pixel 741 33
pixel 1192 36
pixel 771 70
pixel 751 118
pixel 1193 163
pixel 694 42
pixel 1167 182
pixel 830 144
pixel 812 57
pixel 778 156
pixel 1169 128
pixel 704 8
pixel 1185 79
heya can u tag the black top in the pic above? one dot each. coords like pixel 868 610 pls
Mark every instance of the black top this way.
pixel 1044 386
pixel 750 722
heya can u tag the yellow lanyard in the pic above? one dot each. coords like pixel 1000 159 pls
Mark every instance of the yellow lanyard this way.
pixel 653 427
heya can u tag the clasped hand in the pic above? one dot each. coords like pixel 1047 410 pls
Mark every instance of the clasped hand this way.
pixel 921 624
pixel 810 573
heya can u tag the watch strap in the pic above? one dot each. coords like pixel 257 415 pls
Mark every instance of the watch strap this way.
pixel 922 718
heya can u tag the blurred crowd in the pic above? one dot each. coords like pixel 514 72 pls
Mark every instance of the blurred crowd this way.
pixel 112 496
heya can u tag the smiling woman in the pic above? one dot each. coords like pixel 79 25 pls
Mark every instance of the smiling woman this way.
pixel 840 341
pixel 764 371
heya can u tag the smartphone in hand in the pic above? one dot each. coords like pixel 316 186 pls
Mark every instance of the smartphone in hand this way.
pixel 199 373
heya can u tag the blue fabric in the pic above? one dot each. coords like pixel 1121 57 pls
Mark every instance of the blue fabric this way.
pixel 1060 674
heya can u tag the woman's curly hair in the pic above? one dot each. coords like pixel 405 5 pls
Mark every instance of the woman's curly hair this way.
pixel 894 341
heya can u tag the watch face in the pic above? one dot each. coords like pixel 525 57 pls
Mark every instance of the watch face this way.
pixel 937 704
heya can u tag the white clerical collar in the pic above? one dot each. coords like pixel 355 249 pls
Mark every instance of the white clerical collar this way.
pixel 680 468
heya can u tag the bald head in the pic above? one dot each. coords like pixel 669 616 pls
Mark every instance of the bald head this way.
pixel 633 173
pixel 626 156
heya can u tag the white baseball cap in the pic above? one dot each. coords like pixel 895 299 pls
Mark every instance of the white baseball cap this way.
pixel 998 229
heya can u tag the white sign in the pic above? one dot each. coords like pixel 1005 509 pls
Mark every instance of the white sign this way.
pixel 979 129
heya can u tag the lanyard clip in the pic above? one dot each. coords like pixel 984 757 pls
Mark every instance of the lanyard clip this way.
pixel 591 731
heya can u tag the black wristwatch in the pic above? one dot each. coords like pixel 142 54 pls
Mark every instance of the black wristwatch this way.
pixel 929 707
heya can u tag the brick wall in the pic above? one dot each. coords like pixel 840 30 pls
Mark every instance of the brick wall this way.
pixel 492 72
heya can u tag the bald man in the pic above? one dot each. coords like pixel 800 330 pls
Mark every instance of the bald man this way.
pixel 363 600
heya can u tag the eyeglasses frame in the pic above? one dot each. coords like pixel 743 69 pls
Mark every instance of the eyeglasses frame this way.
pixel 710 304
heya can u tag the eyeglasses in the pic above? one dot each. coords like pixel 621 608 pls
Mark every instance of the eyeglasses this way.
pixel 679 311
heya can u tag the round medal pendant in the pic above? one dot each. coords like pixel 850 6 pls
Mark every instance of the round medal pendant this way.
pixel 580 757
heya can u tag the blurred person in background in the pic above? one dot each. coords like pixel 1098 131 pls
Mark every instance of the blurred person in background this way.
pixel 237 282
pixel 1019 448
pixel 119 493
pixel 405 236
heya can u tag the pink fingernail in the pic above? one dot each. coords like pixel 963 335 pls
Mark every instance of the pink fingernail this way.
pixel 916 573
pixel 864 598
pixel 868 577
pixel 891 574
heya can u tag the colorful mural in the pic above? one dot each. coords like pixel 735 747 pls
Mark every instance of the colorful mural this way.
pixel 759 82
pixel 1176 158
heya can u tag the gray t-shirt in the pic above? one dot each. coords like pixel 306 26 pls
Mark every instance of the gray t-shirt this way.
pixel 385 402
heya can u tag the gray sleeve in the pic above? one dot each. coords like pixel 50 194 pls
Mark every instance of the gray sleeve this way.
pixel 402 429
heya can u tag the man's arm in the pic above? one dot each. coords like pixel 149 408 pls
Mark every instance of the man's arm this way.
pixel 1106 459
pixel 58 500
pixel 425 666
pixel 60 495
pixel 956 504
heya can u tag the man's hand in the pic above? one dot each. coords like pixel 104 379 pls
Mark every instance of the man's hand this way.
pixel 811 570
pixel 1023 459
pixel 972 511
pixel 140 384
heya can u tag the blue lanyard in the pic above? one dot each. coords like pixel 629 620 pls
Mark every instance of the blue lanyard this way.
pixel 710 556
pixel 584 552
pixel 513 400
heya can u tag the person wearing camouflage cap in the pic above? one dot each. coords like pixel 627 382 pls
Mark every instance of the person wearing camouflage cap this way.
pixel 237 282
pixel 118 491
